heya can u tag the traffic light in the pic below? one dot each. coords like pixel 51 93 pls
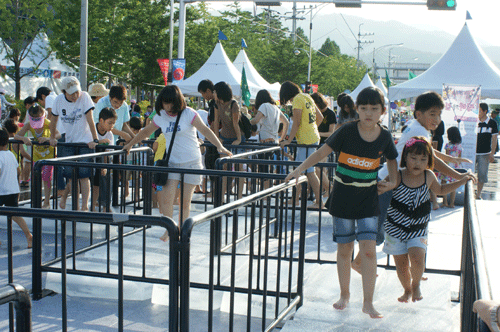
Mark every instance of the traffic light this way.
pixel 442 4
pixel 348 3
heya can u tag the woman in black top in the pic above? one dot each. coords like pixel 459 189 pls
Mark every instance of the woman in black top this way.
pixel 326 129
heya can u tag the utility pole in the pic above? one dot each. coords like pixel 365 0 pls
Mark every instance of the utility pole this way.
pixel 294 19
pixel 362 42
pixel 84 14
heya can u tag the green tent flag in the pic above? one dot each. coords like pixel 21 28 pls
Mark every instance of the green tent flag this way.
pixel 245 92
pixel 387 79
pixel 411 75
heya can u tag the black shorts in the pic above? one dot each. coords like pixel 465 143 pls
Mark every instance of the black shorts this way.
pixel 9 200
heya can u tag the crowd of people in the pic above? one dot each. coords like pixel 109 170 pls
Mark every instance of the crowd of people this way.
pixel 375 204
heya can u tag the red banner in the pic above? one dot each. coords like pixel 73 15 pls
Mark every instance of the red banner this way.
pixel 314 88
pixel 164 69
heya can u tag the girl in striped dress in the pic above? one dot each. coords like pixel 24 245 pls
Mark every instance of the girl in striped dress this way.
pixel 409 214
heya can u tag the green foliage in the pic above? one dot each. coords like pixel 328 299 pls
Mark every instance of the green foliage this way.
pixel 20 22
pixel 126 37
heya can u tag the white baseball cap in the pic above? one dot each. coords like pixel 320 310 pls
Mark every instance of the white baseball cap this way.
pixel 71 85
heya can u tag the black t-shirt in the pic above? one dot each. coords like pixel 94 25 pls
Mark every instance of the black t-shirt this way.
pixel 354 194
pixel 485 130
pixel 329 118
pixel 437 135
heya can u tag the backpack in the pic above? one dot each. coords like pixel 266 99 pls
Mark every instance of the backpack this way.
pixel 245 126
pixel 244 123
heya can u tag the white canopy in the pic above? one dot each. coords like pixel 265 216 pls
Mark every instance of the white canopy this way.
pixel 463 64
pixel 217 68
pixel 48 74
pixel 381 86
pixel 254 76
pixel 365 82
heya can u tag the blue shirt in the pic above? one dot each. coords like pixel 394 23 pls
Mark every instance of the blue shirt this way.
pixel 122 112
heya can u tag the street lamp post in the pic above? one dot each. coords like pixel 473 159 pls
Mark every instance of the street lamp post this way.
pixel 297 52
pixel 377 49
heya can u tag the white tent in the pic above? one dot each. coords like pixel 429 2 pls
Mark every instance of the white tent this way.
pixel 48 74
pixel 254 76
pixel 217 68
pixel 381 86
pixel 365 82
pixel 463 64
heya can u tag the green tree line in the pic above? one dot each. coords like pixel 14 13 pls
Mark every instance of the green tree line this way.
pixel 126 37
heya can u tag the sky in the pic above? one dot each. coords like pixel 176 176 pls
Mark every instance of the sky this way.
pixel 484 15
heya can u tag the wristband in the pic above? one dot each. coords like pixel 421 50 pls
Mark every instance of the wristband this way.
pixel 494 318
pixel 96 141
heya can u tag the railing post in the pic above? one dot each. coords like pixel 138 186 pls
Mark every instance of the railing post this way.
pixel 184 250
pixel 36 202
pixel 116 179
pixel 174 275
pixel 22 303
pixel 302 244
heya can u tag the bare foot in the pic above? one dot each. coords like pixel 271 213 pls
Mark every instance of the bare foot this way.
pixel 355 266
pixel 62 204
pixel 451 206
pixel 416 294
pixel 370 310
pixel 405 297
pixel 46 206
pixel 315 206
pixel 164 237
pixel 435 206
pixel 342 303
pixel 30 241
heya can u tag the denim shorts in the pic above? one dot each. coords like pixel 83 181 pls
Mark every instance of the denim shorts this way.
pixel 482 163
pixel 394 246
pixel 303 153
pixel 348 230
pixel 65 151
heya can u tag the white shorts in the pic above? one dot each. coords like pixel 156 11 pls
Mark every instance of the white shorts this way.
pixel 188 178
pixel 394 246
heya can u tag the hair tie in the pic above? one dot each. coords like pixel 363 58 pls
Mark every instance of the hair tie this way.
pixel 412 141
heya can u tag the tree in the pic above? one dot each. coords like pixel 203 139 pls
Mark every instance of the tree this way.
pixel 21 21
pixel 330 48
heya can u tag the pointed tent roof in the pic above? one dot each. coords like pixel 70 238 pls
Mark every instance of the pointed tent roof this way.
pixel 254 76
pixel 365 82
pixel 381 86
pixel 217 68
pixel 464 63
pixel 30 84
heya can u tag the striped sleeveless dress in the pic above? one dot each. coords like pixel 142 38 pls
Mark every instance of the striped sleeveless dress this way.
pixel 409 212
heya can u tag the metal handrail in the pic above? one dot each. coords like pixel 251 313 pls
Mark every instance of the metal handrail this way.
pixel 474 282
pixel 20 297
pixel 208 216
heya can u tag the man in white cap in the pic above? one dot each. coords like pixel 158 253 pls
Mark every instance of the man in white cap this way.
pixel 73 108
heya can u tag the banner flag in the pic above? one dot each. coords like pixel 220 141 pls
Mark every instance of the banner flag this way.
pixel 222 36
pixel 461 110
pixel 163 63
pixel 245 92
pixel 243 43
pixel 178 70
pixel 411 75
pixel 387 79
